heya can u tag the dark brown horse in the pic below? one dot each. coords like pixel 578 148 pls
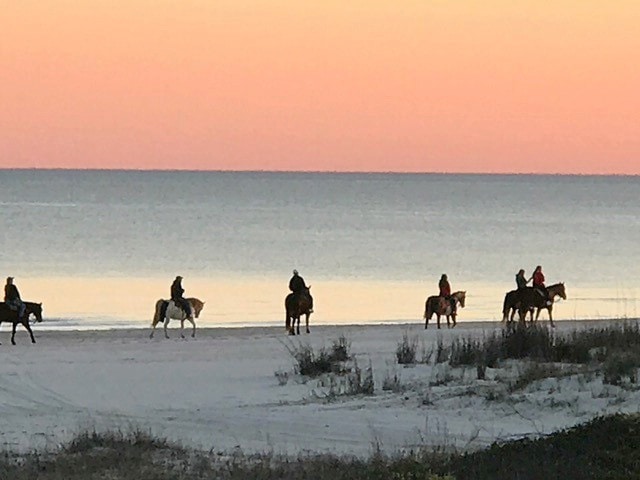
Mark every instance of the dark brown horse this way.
pixel 440 306
pixel 9 315
pixel 530 299
pixel 295 305
pixel 510 305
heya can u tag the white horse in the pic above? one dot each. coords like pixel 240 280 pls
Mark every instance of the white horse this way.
pixel 177 313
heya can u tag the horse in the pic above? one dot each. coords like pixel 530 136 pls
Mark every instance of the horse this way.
pixel 295 305
pixel 9 315
pixel 531 299
pixel 511 304
pixel 440 306
pixel 167 309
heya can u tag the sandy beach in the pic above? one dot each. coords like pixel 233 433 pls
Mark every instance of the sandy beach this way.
pixel 219 391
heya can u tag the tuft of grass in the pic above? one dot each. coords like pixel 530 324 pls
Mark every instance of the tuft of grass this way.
pixel 313 363
pixel 406 350
pixel 534 372
pixel 341 349
pixel 621 366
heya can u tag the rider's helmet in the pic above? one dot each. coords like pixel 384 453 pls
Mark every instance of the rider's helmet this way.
pixel 295 272
pixel 9 279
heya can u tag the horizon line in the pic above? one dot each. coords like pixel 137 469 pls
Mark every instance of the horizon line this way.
pixel 335 172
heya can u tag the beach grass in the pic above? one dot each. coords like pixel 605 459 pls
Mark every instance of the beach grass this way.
pixel 603 448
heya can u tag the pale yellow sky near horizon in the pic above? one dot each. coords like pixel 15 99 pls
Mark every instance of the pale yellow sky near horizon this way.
pixel 456 86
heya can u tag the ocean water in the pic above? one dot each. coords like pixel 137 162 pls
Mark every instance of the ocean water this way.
pixel 99 247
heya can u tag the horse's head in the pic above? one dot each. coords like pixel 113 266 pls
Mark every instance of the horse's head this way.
pixel 36 309
pixel 558 289
pixel 460 296
pixel 197 306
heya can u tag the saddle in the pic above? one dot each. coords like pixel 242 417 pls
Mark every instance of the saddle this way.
pixel 446 305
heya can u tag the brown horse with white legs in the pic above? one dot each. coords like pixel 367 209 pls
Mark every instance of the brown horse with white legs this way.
pixel 440 306
pixel 530 299
pixel 296 305
pixel 167 309
pixel 9 315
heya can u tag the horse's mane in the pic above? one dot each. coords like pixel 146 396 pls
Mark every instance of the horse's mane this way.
pixel 195 301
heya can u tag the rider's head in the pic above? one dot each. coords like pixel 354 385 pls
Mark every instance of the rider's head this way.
pixel 295 272
pixel 521 272
pixel 178 277
pixel 9 280
pixel 538 268
pixel 444 276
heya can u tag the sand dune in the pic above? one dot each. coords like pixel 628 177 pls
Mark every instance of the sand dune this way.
pixel 219 391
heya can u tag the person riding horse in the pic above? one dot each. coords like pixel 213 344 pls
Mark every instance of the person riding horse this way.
pixel 538 284
pixel 445 292
pixel 298 286
pixel 12 298
pixel 521 281
pixel 177 293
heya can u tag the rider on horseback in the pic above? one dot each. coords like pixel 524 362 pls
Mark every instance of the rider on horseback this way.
pixel 445 292
pixel 297 286
pixel 521 281
pixel 177 293
pixel 538 284
pixel 12 298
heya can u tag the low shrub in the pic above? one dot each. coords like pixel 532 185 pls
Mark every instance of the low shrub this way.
pixel 620 366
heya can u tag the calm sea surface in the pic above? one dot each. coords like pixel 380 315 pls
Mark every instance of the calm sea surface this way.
pixel 99 247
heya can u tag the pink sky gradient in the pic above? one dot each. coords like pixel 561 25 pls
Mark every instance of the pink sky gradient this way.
pixel 365 85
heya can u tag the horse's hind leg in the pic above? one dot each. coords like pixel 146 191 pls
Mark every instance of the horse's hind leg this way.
pixel 182 328
pixel 298 326
pixel 307 322
pixel 153 329
pixel 193 333
pixel 13 334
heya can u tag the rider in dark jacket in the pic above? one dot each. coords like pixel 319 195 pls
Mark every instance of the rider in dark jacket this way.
pixel 177 293
pixel 521 280
pixel 297 285
pixel 12 297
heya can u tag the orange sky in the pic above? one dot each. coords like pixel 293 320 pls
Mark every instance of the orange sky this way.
pixel 362 85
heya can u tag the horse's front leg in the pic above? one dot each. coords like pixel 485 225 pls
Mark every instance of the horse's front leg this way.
pixel 307 322
pixel 292 327
pixel 166 324
pixel 438 320
pixel 13 334
pixel 182 328
pixel 550 309
pixel 28 327
pixel 298 326
pixel 193 332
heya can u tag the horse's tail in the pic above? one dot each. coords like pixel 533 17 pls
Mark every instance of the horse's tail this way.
pixel 505 308
pixel 428 308
pixel 287 311
pixel 158 313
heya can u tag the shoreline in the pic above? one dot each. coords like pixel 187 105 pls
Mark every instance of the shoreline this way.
pixel 174 325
